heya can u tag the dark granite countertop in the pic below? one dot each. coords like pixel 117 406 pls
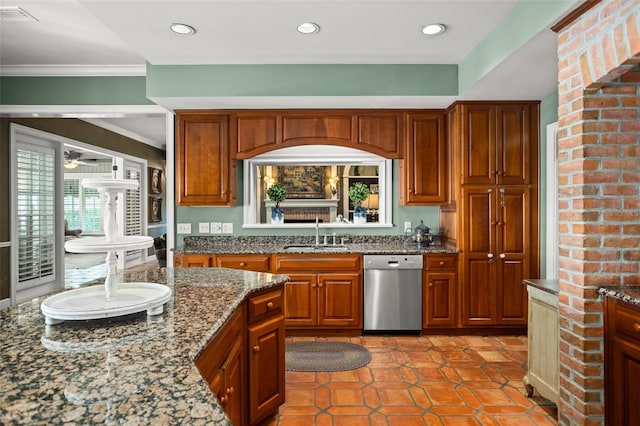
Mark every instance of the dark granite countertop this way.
pixel 628 294
pixel 550 286
pixel 125 370
pixel 276 245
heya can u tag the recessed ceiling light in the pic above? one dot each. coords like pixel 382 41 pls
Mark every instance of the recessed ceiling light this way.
pixel 433 29
pixel 183 29
pixel 308 28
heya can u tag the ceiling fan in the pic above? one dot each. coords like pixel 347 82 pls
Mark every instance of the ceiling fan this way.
pixel 72 160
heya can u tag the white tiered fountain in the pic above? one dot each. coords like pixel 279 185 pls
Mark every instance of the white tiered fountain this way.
pixel 112 299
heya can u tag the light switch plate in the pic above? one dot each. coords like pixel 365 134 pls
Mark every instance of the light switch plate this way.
pixel 183 228
pixel 216 227
pixel 227 228
pixel 407 225
pixel 203 227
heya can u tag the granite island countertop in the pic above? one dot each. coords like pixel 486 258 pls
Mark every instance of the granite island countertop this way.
pixel 390 244
pixel 124 370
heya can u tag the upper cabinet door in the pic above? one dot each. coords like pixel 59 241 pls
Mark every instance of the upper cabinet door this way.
pixel 478 144
pixel 257 132
pixel 380 133
pixel 205 173
pixel 424 169
pixel 317 127
pixel 497 141
pixel 514 144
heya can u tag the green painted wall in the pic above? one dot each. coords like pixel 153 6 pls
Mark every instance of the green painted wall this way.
pixel 73 91
pixel 301 80
pixel 548 115
pixel 526 19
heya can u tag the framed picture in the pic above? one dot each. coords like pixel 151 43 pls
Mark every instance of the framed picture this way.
pixel 303 181
pixel 155 181
pixel 155 209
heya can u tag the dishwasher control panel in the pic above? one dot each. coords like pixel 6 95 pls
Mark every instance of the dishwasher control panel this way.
pixel 393 261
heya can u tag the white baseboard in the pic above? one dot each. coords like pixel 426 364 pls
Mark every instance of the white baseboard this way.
pixel 5 303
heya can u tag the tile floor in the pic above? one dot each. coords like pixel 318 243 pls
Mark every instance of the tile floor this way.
pixel 426 380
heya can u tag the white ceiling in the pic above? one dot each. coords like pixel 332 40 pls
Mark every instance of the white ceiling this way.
pixel 93 37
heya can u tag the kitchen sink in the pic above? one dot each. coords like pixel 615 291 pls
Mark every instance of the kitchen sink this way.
pixel 312 248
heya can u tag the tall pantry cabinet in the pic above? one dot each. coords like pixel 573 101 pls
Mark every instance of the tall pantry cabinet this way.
pixel 495 203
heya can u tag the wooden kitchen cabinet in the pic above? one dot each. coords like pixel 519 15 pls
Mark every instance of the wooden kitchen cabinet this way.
pixel 493 216
pixel 324 292
pixel 266 354
pixel 192 260
pixel 424 167
pixel 205 171
pixel 249 262
pixel 497 140
pixel 222 365
pixel 497 244
pixel 439 291
pixel 622 362
pixel 256 132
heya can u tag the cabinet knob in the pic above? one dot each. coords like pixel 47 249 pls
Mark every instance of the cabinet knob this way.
pixel 502 255
pixel 223 399
pixel 230 390
pixel 441 263
pixel 320 285
pixel 430 284
pixel 256 349
pixel 243 264
pixel 636 327
pixel 490 255
pixel 494 223
pixel 270 305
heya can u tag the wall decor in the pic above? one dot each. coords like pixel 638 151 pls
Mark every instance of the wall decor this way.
pixel 155 209
pixel 303 181
pixel 155 181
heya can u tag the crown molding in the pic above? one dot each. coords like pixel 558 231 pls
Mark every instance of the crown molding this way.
pixel 124 132
pixel 72 70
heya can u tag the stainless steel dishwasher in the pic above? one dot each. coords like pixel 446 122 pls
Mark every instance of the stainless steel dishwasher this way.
pixel 392 292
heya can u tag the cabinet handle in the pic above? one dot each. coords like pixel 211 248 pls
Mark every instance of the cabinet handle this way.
pixel 243 264
pixel 256 349
pixel 636 327
pixel 270 305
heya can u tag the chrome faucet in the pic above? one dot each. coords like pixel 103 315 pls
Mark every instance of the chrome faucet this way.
pixel 317 232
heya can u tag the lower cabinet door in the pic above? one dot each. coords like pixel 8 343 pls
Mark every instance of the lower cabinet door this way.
pixel 233 383
pixel 340 300
pixel 439 299
pixel 622 383
pixel 266 368
pixel 300 308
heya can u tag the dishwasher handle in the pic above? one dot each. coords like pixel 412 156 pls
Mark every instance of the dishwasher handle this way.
pixel 393 263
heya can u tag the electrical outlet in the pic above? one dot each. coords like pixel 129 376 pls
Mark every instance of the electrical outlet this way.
pixel 407 226
pixel 203 227
pixel 216 227
pixel 183 228
pixel 227 228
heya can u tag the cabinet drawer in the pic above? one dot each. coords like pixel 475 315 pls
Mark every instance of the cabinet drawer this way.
pixel 265 304
pixel 627 321
pixel 259 263
pixel 320 262
pixel 438 262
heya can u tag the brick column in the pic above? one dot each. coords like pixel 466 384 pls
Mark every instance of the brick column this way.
pixel 599 190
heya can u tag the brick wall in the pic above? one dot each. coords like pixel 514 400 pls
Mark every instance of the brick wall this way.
pixel 599 190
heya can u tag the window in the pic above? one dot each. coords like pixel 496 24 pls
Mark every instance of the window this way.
pixel 317 179
pixel 83 207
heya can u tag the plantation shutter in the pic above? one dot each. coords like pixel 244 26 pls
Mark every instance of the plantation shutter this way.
pixel 35 216
pixel 133 210
pixel 72 203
